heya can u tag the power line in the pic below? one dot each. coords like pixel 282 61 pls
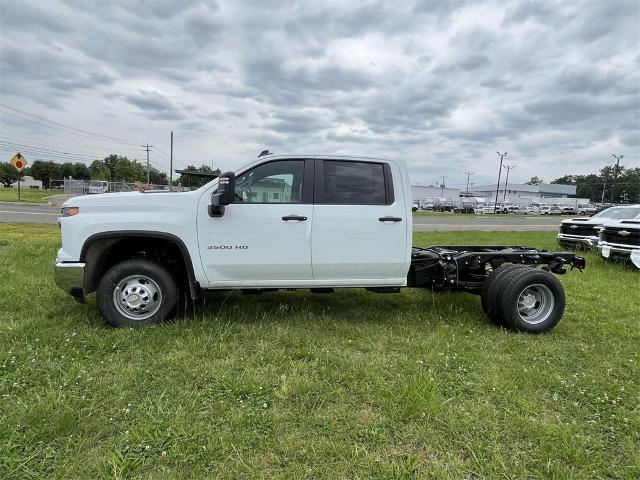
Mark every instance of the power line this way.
pixel 52 150
pixel 64 148
pixel 39 119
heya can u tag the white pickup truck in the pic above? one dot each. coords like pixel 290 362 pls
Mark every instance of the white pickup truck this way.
pixel 313 222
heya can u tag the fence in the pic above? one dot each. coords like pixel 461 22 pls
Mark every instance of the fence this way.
pixel 87 187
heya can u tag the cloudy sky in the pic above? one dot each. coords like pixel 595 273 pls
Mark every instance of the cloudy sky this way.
pixel 440 84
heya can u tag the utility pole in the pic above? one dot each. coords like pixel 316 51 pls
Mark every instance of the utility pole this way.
pixel 442 186
pixel 615 173
pixel 468 174
pixel 502 155
pixel 171 164
pixel 604 187
pixel 147 148
pixel 508 167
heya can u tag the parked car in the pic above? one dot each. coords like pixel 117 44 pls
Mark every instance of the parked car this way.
pixel 316 223
pixel 532 210
pixel 464 208
pixel 487 208
pixel 587 209
pixel 621 240
pixel 512 209
pixel 568 210
pixel 414 207
pixel 585 231
pixel 550 210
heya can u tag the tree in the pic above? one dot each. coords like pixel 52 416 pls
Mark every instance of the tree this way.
pixel 595 187
pixel 115 168
pixel 535 181
pixel 47 171
pixel 157 178
pixel 197 181
pixel 9 174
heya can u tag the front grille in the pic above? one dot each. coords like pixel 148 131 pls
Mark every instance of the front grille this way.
pixel 625 236
pixel 577 229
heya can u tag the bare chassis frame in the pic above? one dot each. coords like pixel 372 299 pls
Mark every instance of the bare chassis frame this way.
pixel 466 267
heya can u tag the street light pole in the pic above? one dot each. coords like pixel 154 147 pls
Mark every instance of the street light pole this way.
pixel 506 183
pixel 502 155
pixel 615 173
pixel 468 174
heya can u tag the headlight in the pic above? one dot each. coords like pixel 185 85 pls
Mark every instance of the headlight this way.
pixel 70 211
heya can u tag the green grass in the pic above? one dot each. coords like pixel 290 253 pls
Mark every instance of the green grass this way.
pixel 296 385
pixel 26 195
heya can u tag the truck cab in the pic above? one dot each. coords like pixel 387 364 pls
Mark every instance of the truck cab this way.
pixel 281 222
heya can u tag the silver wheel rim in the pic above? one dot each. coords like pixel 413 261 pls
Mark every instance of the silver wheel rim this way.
pixel 137 297
pixel 535 304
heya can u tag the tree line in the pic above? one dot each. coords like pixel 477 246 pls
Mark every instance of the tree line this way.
pixel 606 185
pixel 114 168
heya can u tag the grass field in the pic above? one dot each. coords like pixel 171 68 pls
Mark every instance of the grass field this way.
pixel 297 385
pixel 26 195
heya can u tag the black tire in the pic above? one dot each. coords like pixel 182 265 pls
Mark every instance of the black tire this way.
pixel 541 290
pixel 489 292
pixel 142 279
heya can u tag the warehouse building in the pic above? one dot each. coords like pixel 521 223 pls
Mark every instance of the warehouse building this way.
pixel 543 192
pixel 428 192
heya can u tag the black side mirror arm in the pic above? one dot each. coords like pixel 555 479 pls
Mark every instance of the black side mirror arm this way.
pixel 215 209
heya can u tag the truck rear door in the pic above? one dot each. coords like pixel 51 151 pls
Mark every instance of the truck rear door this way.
pixel 359 234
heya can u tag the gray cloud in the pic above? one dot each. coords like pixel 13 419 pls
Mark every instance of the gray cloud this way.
pixel 155 105
pixel 441 84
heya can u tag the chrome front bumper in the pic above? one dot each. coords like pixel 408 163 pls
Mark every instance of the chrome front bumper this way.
pixel 590 242
pixel 69 276
pixel 632 252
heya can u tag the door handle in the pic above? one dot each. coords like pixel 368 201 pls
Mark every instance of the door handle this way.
pixel 390 219
pixel 294 217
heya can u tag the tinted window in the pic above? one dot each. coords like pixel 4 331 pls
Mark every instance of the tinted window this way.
pixel 273 182
pixel 354 183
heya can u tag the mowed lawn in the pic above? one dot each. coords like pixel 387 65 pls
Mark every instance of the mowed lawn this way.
pixel 300 385
pixel 26 195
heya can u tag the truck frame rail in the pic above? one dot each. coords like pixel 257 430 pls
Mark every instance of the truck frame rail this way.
pixel 466 267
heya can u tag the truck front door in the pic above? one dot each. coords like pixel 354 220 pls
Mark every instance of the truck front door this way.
pixel 359 223
pixel 264 237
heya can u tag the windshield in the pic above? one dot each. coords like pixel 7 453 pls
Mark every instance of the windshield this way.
pixel 619 213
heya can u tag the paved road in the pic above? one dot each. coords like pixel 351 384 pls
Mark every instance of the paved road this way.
pixel 15 212
pixel 28 212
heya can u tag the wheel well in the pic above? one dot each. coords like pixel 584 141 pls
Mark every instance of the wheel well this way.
pixel 103 252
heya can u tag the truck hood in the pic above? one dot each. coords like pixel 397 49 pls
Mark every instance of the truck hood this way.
pixel 130 199
pixel 585 221
pixel 631 224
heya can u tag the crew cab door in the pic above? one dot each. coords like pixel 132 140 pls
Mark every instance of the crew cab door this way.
pixel 264 237
pixel 360 223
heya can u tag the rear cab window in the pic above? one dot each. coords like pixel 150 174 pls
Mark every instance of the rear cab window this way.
pixel 340 182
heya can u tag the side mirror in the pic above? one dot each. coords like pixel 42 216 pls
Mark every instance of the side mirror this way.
pixel 224 195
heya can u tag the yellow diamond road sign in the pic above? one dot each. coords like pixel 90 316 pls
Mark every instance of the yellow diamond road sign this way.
pixel 18 161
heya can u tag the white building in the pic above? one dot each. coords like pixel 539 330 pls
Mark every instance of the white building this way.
pixel 429 192
pixel 28 182
pixel 516 193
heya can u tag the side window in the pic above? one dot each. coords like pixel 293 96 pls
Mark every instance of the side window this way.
pixel 272 182
pixel 354 183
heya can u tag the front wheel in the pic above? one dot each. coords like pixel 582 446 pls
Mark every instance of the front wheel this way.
pixel 135 293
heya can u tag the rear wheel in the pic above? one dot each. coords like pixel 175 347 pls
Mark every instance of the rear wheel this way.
pixel 136 292
pixel 491 288
pixel 528 300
